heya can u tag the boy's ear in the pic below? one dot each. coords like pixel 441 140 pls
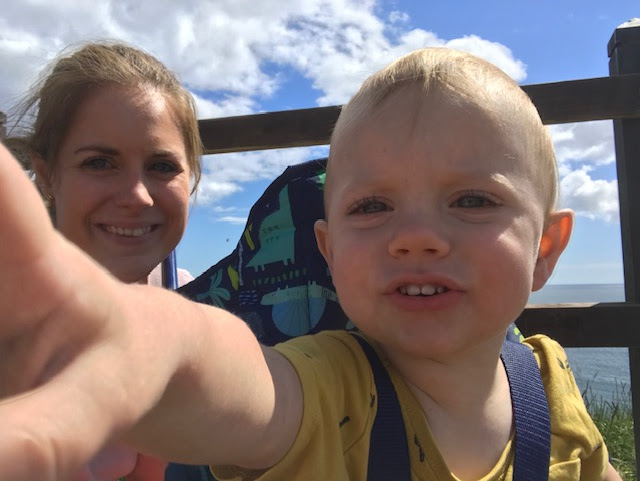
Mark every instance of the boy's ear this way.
pixel 555 238
pixel 321 229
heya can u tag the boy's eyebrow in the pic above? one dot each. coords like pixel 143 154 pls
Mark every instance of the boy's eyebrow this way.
pixel 501 179
pixel 480 175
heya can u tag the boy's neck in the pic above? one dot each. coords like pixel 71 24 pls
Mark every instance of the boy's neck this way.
pixel 459 390
pixel 468 407
pixel 455 381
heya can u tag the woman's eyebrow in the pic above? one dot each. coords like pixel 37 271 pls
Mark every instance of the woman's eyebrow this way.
pixel 96 148
pixel 164 153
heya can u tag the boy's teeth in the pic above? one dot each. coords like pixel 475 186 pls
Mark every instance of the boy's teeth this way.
pixel 425 290
pixel 136 232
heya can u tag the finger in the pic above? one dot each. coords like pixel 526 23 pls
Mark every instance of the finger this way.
pixel 28 247
pixel 26 224
pixel 50 433
pixel 148 469
pixel 114 462
pixel 54 327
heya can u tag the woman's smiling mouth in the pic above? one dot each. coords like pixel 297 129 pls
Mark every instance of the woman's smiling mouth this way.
pixel 127 231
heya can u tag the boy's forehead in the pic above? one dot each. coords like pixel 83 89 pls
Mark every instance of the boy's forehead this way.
pixel 413 111
pixel 405 116
pixel 504 105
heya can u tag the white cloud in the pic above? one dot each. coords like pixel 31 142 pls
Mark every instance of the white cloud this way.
pixel 230 106
pixel 210 190
pixel 235 220
pixel 398 17
pixel 224 174
pixel 493 52
pixel 236 56
pixel 232 47
pixel 592 198
pixel 580 149
pixel 218 209
pixel 589 143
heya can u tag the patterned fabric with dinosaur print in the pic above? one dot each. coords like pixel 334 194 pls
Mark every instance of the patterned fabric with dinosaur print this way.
pixel 276 279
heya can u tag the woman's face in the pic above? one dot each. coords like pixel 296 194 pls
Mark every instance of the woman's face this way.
pixel 121 181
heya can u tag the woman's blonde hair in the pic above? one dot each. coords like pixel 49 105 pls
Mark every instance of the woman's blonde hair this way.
pixel 45 116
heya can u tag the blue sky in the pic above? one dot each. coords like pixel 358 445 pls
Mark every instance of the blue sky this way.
pixel 245 56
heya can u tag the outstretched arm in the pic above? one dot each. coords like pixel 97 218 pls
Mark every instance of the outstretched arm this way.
pixel 87 359
pixel 612 474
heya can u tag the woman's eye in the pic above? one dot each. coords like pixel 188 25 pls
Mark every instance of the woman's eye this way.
pixel 165 167
pixel 96 163
pixel 474 200
pixel 369 206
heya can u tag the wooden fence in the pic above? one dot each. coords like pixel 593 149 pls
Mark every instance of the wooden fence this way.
pixel 616 97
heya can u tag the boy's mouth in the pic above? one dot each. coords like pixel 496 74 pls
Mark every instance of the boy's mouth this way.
pixel 422 290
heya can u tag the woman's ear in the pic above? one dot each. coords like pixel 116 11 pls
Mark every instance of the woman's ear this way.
pixel 44 176
pixel 555 238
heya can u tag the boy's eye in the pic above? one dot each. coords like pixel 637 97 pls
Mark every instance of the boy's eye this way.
pixel 473 200
pixel 96 163
pixel 369 206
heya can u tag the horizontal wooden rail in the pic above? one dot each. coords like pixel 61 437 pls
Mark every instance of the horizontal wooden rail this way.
pixel 590 99
pixel 612 324
pixel 273 130
pixel 560 102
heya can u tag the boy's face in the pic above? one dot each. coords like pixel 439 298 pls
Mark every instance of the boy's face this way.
pixel 433 225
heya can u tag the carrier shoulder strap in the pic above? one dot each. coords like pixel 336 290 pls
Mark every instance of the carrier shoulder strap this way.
pixel 530 413
pixel 388 451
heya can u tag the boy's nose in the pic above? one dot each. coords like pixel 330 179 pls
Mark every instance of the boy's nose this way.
pixel 418 237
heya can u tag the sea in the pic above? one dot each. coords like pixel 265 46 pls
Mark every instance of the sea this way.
pixel 602 372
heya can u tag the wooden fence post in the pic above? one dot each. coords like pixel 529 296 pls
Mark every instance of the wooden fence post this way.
pixel 3 125
pixel 624 58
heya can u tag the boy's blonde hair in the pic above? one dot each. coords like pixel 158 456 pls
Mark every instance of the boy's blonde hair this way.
pixel 462 76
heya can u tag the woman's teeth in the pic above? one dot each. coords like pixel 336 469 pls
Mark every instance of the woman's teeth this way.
pixel 123 231
pixel 425 290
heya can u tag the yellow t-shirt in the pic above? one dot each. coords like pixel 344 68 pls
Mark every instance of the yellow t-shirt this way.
pixel 339 409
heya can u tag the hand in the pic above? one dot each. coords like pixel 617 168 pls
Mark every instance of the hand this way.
pixel 113 462
pixel 119 462
pixel 35 344
pixel 87 360
pixel 66 385
pixel 148 469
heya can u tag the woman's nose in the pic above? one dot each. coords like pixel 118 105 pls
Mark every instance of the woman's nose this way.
pixel 134 194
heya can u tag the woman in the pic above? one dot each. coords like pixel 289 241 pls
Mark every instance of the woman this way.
pixel 114 146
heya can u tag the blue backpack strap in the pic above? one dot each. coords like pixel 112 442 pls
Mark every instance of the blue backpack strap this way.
pixel 388 451
pixel 174 471
pixel 170 272
pixel 388 454
pixel 187 472
pixel 530 413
